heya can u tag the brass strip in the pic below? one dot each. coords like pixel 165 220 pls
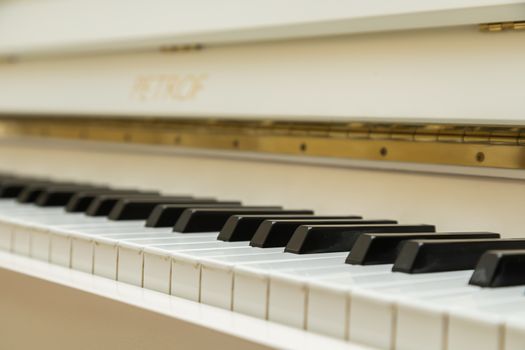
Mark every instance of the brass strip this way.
pixel 463 145
pixel 502 26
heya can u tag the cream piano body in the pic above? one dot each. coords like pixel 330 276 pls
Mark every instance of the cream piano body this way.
pixel 390 68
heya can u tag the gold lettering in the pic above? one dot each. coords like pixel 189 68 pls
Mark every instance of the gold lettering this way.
pixel 178 87
pixel 140 90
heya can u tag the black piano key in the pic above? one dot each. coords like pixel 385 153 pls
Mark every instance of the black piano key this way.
pixel 31 193
pixel 13 188
pixel 500 268
pixel 382 248
pixel 212 220
pixel 103 204
pixel 59 196
pixel 80 201
pixel 166 215
pixel 243 227
pixel 309 239
pixel 422 256
pixel 140 209
pixel 277 233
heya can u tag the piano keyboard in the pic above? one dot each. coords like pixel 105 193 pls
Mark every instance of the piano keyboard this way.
pixel 372 281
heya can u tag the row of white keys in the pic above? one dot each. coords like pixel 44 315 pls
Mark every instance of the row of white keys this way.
pixel 217 286
pixel 131 258
pixel 215 262
pixel 59 251
pixel 66 241
pixel 216 274
pixel 177 269
pixel 260 275
pixel 96 248
pixel 122 233
pixel 194 271
pixel 292 291
pixel 472 315
pixel 373 306
pixel 135 260
pixel 77 245
pixel 212 263
pixel 25 228
pixel 35 239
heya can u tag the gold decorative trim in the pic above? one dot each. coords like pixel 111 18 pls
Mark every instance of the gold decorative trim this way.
pixel 502 26
pixel 463 145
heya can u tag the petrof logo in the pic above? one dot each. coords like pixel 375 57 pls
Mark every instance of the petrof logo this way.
pixel 163 87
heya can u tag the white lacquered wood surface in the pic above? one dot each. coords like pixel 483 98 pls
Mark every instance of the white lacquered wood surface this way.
pixel 53 27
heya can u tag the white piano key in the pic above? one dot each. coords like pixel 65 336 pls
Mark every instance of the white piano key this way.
pixel 130 262
pixel 328 291
pixel 104 227
pixel 6 236
pixel 481 313
pixel 185 277
pixel 328 316
pixel 157 273
pixel 60 250
pixel 284 284
pixel 249 289
pixel 217 272
pixel 216 288
pixel 130 266
pixel 367 315
pixel 161 239
pixel 474 331
pixel 420 325
pixel 287 305
pixel 152 238
pixel 40 244
pixel 154 269
pixel 83 250
pixel 376 313
pixel 216 282
pixel 381 306
pixel 186 267
pixel 251 281
pixel 442 286
pixel 514 333
pixel 82 254
pixel 429 313
pixel 21 241
pixel 105 257
pixel 184 273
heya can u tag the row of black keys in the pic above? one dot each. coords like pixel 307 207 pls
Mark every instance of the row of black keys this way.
pixel 411 248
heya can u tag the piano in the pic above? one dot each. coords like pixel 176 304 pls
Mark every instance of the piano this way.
pixel 262 175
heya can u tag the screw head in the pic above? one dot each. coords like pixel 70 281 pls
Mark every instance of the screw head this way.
pixel 480 157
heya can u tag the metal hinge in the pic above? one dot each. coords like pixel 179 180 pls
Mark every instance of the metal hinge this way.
pixel 181 48
pixel 495 135
pixel 502 26
pixel 492 146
